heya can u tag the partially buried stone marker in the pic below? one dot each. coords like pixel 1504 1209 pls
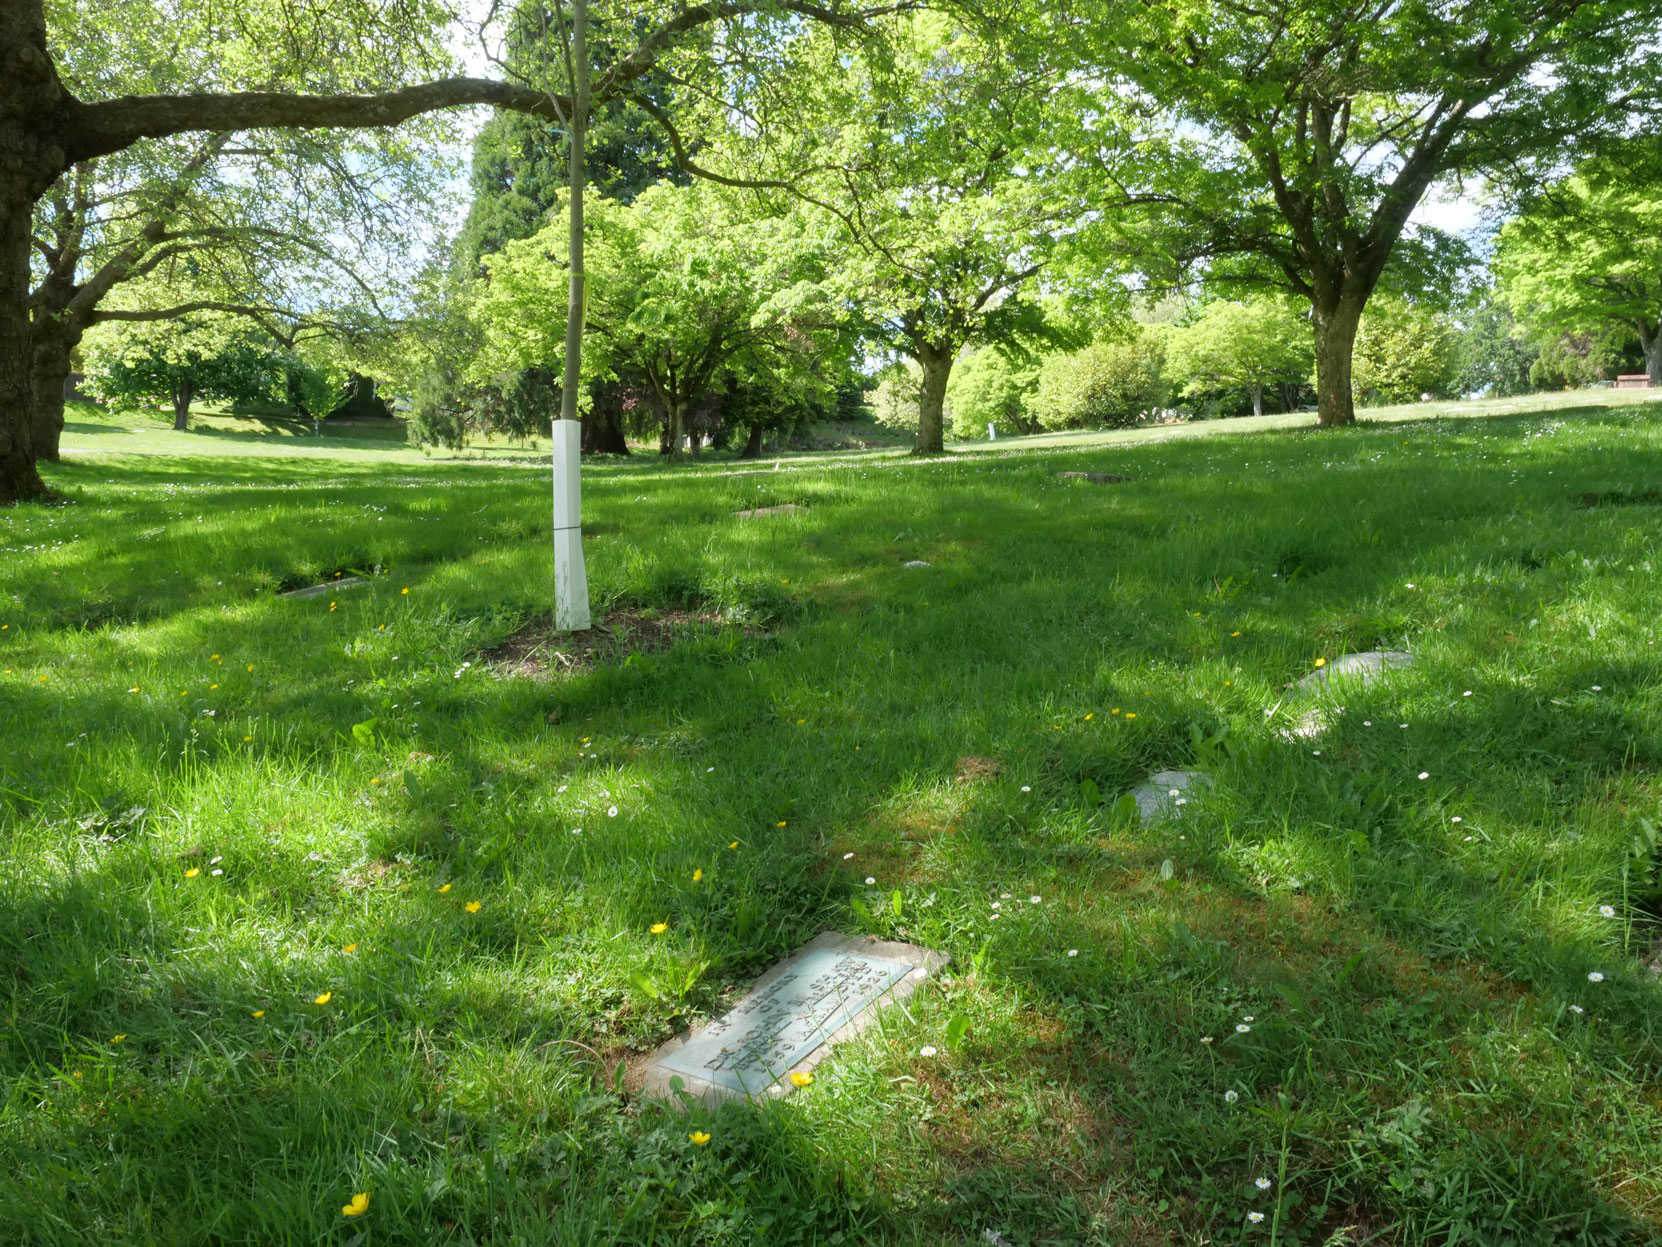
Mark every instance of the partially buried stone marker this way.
pixel 790 1019
pixel 1162 794
pixel 317 591
pixel 784 508
pixel 1095 478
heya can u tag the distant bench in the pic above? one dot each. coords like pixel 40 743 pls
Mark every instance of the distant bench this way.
pixel 1633 381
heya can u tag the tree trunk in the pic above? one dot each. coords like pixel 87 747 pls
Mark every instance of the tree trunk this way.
pixel 182 394
pixel 753 446
pixel 676 428
pixel 1652 347
pixel 48 378
pixel 603 429
pixel 1257 399
pixel 1335 321
pixel 937 367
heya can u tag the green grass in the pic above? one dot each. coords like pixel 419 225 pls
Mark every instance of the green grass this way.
pixel 1414 1073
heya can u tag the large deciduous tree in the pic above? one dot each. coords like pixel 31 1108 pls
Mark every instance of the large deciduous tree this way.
pixel 685 289
pixel 258 64
pixel 930 149
pixel 1253 346
pixel 1301 135
pixel 1587 257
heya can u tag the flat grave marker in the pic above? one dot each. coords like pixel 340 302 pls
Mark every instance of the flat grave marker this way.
pixel 790 1019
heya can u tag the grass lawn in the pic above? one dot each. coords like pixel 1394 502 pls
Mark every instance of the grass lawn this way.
pixel 307 898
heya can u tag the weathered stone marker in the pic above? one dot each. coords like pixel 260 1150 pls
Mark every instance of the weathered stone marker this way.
pixel 1161 795
pixel 1360 670
pixel 790 1019
pixel 317 591
pixel 784 508
pixel 1095 478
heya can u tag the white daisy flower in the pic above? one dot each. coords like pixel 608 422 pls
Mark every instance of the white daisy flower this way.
pixel 1241 1028
pixel 1026 788
pixel 1256 1217
pixel 1230 1096
pixel 1425 774
pixel 1577 1009
pixel 611 812
pixel 870 880
pixel 1609 911
pixel 1263 1184
pixel 846 856
pixel 1073 952
pixel 926 1050
pixel 1034 900
pixel 1205 1039
pixel 1597 976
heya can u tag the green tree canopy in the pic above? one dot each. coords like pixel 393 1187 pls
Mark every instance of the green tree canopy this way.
pixel 1587 258
pixel 1297 138
pixel 1254 345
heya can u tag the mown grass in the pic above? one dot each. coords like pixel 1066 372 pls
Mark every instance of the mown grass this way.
pixel 1415 1071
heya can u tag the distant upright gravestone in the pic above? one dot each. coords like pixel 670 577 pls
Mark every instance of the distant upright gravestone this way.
pixel 790 1019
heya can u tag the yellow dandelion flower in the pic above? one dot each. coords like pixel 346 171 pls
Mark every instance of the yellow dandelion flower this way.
pixel 1321 662
pixel 258 1013
pixel 801 1079
pixel 192 873
pixel 699 1138
pixel 445 888
pixel 799 722
pixel 780 823
pixel 472 907
pixel 1090 716
pixel 132 690
pixel 117 1038
pixel 734 845
pixel 374 781
pixel 248 738
pixel 213 686
pixel 698 874
pixel 213 657
pixel 251 666
pixel 324 998
pixel 358 1206
pixel 404 592
pixel 349 948
pixel 1234 634
pixel 1130 716
pixel 658 928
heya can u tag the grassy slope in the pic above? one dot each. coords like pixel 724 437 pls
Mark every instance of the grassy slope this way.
pixel 1414 1069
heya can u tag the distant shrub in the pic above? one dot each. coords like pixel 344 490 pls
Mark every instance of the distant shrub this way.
pixel 1108 385
pixel 894 403
pixel 988 388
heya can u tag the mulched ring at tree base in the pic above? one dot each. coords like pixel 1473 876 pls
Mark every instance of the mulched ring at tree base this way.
pixel 539 650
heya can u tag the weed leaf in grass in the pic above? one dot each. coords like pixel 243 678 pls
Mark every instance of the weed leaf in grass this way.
pixel 364 733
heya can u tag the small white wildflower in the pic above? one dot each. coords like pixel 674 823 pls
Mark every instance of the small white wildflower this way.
pixel 1073 952
pixel 870 880
pixel 1257 1217
pixel 1316 753
pixel 1598 688
pixel 1249 1018
pixel 1597 976
pixel 1609 911
pixel 846 856
pixel 214 861
pixel 998 904
pixel 217 872
pixel 1230 1096
pixel 1456 819
pixel 611 811
pixel 1205 1039
pixel 1175 792
pixel 708 769
pixel 1367 722
pixel 1467 693
pixel 1003 896
pixel 926 1050
pixel 1263 1184
pixel 561 788
pixel 1242 1028
pixel 1033 900
pixel 1425 774
pixel 1027 788
pixel 1577 1009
